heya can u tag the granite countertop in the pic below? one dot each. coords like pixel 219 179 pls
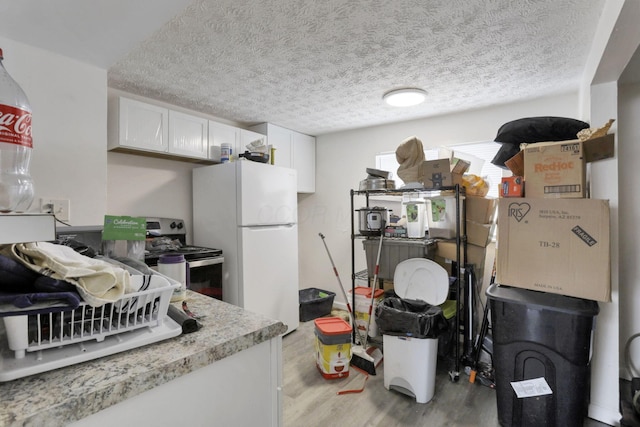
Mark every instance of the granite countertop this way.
pixel 57 397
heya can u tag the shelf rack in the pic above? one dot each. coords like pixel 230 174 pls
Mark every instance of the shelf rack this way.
pixel 461 254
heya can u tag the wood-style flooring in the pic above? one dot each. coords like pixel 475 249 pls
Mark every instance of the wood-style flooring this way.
pixel 309 400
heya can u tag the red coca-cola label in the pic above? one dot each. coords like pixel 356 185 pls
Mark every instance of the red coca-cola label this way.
pixel 15 126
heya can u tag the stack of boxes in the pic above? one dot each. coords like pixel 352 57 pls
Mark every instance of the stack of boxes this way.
pixel 551 237
pixel 480 213
pixel 554 240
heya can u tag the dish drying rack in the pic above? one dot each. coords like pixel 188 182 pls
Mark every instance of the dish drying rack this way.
pixel 46 341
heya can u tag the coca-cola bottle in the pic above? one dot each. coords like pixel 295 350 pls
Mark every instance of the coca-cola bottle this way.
pixel 16 186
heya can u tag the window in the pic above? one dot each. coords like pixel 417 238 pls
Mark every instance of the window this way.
pixel 479 154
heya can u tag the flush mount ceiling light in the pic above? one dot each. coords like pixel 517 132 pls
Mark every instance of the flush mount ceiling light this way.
pixel 406 97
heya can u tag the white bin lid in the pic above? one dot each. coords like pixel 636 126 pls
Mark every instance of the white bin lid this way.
pixel 421 279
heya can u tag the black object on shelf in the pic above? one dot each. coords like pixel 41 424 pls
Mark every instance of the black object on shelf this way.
pixel 541 335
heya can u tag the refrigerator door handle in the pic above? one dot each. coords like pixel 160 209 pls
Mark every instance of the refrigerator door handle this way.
pixel 267 227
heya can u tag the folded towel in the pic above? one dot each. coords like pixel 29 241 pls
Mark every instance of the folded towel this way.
pixel 16 277
pixel 97 282
pixel 13 304
pixel 139 280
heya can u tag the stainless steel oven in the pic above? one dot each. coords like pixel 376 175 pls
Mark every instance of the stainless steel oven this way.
pixel 168 235
pixel 164 235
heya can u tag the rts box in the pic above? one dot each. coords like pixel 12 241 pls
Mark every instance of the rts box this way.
pixel 560 246
pixel 558 169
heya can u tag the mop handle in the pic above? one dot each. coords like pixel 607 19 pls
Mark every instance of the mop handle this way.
pixel 335 271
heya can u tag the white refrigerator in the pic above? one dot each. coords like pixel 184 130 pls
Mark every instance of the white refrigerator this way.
pixel 249 210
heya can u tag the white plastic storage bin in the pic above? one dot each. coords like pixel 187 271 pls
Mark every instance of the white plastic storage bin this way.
pixel 415 218
pixel 441 216
pixel 410 366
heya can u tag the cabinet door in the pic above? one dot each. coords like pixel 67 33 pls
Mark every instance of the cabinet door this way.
pixel 188 135
pixel 247 137
pixel 280 139
pixel 142 126
pixel 304 161
pixel 220 133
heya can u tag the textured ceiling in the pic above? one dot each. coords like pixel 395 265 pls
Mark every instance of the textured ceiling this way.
pixel 322 66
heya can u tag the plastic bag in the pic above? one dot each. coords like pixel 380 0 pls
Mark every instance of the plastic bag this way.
pixel 475 185
pixel 410 318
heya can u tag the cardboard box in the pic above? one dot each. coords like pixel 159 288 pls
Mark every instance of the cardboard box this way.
pixel 512 186
pixel 558 169
pixel 446 253
pixel 516 164
pixel 481 209
pixel 479 234
pixel 560 246
pixel 437 174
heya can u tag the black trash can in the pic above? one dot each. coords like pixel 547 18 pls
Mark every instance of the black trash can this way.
pixel 541 335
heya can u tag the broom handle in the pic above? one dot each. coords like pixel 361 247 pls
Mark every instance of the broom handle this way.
pixel 373 288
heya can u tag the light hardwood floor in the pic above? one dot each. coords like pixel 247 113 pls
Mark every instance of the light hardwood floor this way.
pixel 310 400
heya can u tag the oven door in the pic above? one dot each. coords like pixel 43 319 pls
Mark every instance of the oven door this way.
pixel 205 276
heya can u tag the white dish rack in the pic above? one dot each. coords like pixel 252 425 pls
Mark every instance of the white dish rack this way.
pixel 42 342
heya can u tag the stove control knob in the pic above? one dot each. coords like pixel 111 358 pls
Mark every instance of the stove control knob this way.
pixel 172 225
pixel 180 226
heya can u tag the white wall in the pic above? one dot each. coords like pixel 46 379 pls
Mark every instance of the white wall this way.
pixel 629 218
pixel 68 98
pixel 340 166
pixel 143 186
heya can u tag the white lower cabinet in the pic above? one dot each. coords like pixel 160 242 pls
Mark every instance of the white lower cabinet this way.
pixel 240 390
pixel 293 150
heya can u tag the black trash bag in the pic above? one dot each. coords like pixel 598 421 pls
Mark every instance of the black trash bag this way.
pixel 410 318
pixel 505 152
pixel 540 129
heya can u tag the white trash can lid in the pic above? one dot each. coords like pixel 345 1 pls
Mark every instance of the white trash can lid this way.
pixel 421 279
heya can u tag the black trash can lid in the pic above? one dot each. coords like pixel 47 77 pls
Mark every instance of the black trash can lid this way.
pixel 543 300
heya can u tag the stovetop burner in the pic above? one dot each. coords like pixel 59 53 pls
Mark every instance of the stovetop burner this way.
pixel 191 253
pixel 168 235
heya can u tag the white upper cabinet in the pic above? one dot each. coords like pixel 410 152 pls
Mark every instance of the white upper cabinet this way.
pixel 304 159
pixel 238 138
pixel 188 135
pixel 293 150
pixel 220 133
pixel 247 137
pixel 280 139
pixel 138 125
